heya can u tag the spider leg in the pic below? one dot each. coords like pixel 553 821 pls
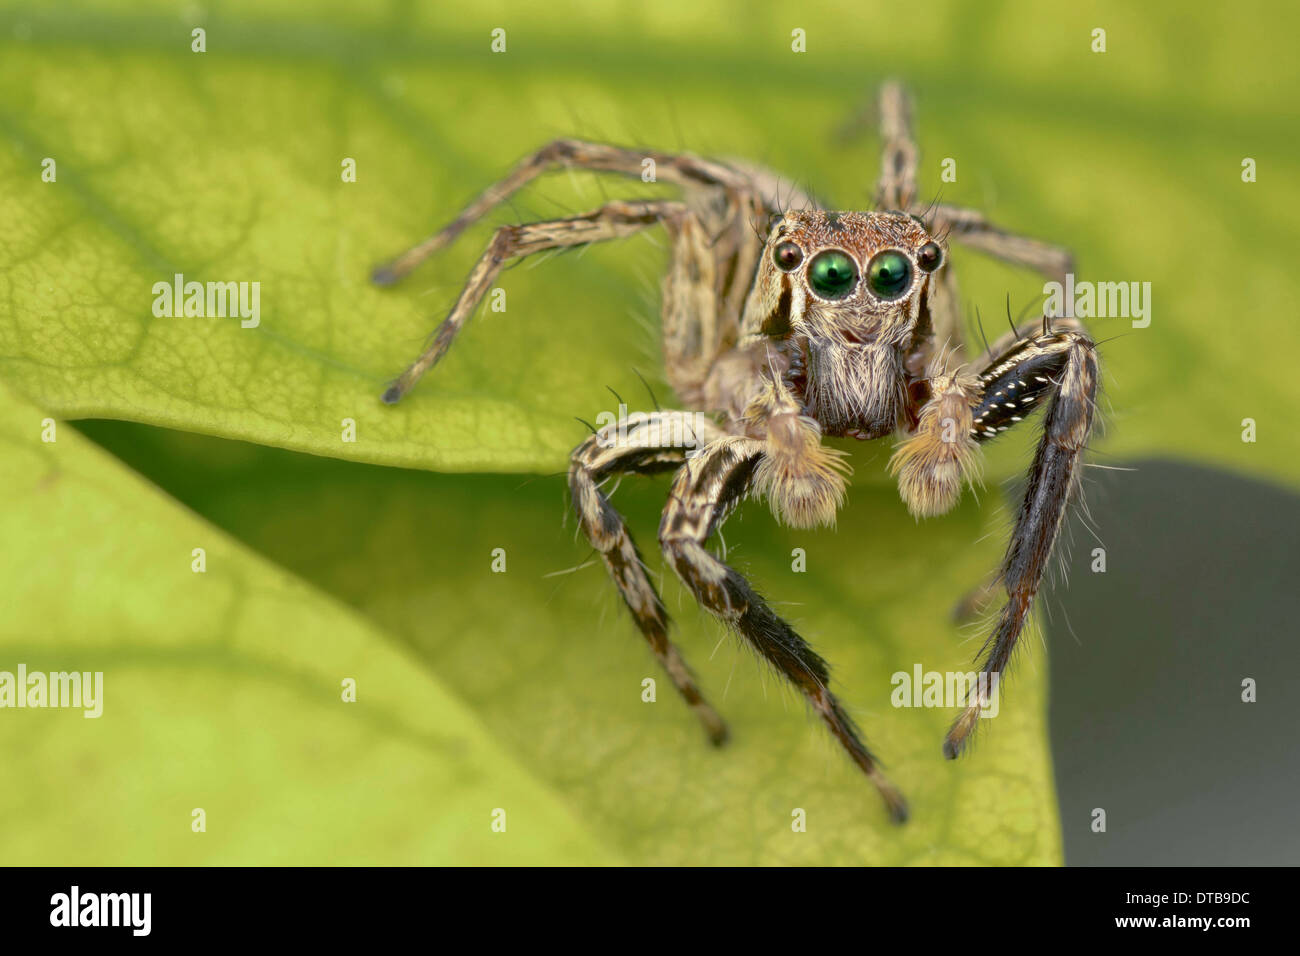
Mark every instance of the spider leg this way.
pixel 940 455
pixel 714 254
pixel 941 329
pixel 778 191
pixel 974 602
pixel 1058 367
pixel 971 228
pixel 678 168
pixel 1013 337
pixel 640 446
pixel 896 188
pixel 614 220
pixel 704 492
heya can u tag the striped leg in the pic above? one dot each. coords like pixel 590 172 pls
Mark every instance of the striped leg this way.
pixel 681 169
pixel 1058 367
pixel 1013 339
pixel 646 443
pixel 896 188
pixel 614 220
pixel 972 229
pixel 704 493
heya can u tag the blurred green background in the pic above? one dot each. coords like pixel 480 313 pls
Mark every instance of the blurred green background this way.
pixel 520 690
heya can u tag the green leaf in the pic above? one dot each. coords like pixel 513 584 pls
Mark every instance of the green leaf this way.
pixel 222 690
pixel 554 666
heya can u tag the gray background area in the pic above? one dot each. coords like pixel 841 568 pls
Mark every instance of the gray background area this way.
pixel 1146 715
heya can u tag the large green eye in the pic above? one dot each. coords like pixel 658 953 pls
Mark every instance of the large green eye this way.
pixel 832 274
pixel 889 274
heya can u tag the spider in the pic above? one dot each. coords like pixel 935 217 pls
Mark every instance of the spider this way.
pixel 788 323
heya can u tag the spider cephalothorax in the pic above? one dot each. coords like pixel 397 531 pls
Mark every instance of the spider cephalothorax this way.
pixel 844 295
pixel 824 324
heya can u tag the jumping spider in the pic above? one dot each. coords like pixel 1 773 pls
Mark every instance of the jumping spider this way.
pixel 833 324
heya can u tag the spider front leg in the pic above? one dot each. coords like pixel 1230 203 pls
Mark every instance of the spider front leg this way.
pixel 643 443
pixel 1058 367
pixel 897 189
pixel 614 220
pixel 682 169
pixel 704 492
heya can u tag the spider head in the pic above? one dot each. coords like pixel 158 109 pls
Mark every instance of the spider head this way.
pixel 851 288
pixel 858 276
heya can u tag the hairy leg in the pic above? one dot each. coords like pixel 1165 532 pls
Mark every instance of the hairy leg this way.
pixel 644 444
pixel 975 601
pixel 704 493
pixel 1013 338
pixel 710 271
pixel 896 188
pixel 615 220
pixel 778 192
pixel 1058 368
pixel 681 169
pixel 972 229
pixel 940 456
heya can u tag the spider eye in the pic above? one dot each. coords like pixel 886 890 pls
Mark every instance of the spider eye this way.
pixel 929 257
pixel 889 274
pixel 832 274
pixel 787 256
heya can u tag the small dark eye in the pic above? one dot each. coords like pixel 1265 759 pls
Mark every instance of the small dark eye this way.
pixel 889 274
pixel 833 274
pixel 787 256
pixel 929 256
